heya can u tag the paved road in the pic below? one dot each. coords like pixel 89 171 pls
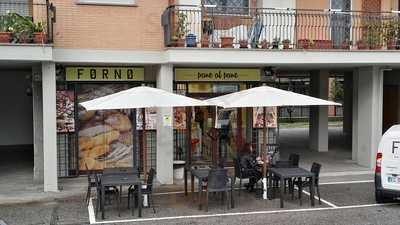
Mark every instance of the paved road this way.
pixel 345 197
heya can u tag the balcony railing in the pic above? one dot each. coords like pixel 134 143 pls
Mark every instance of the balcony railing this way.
pixel 194 26
pixel 24 21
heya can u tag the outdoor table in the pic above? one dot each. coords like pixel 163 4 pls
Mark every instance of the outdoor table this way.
pixel 201 174
pixel 121 170
pixel 122 179
pixel 290 173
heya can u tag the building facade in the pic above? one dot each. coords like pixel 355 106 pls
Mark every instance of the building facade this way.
pixel 197 48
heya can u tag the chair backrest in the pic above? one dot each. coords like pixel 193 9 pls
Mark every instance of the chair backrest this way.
pixel 150 179
pixel 237 167
pixel 89 173
pixel 217 179
pixel 97 180
pixel 316 168
pixel 294 159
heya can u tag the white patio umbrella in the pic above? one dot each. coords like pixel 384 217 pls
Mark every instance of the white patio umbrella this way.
pixel 141 97
pixel 265 96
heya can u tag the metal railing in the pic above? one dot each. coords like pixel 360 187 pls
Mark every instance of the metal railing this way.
pixel 195 26
pixel 23 18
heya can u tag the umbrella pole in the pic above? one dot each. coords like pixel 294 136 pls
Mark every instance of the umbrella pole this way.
pixel 265 153
pixel 144 142
pixel 188 145
pixel 134 146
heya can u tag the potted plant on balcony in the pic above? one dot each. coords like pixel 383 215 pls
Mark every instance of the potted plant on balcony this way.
pixel 265 44
pixel 275 43
pixel 39 36
pixel 391 34
pixel 244 44
pixel 226 41
pixel 286 44
pixel 208 29
pixel 5 29
pixel 361 45
pixel 303 43
pixel 346 44
pixel 373 35
pixel 180 30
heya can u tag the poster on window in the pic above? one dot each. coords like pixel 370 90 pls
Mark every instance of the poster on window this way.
pixel 151 119
pixel 105 136
pixel 180 118
pixel 258 117
pixel 65 111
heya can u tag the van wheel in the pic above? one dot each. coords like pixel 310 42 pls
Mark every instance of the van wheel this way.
pixel 381 198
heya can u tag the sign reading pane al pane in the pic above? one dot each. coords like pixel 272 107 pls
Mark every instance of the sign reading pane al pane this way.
pixel 107 2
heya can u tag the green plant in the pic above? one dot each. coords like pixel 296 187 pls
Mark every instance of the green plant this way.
pixel 6 23
pixel 181 26
pixel 38 27
pixel 336 91
pixel 373 34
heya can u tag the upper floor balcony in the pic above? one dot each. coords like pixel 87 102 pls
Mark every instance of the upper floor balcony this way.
pixel 264 28
pixel 26 22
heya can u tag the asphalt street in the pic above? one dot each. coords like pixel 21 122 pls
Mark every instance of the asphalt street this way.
pixel 343 203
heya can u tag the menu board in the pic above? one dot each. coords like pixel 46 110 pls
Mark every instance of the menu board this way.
pixel 65 111
pixel 258 117
pixel 180 118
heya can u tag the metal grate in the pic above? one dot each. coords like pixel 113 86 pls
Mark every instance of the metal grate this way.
pixel 67 155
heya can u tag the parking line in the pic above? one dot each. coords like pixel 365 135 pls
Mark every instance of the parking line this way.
pixel 92 217
pixel 322 200
pixel 237 214
pixel 348 182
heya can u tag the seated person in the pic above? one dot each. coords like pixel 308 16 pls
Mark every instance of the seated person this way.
pixel 248 161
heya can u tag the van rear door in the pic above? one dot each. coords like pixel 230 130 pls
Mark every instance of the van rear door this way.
pixel 390 172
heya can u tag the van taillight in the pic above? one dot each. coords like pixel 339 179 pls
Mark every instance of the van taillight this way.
pixel 378 162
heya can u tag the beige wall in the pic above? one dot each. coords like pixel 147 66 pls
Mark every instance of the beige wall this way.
pixel 312 4
pixel 109 27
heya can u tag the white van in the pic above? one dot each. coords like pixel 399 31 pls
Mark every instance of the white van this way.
pixel 387 169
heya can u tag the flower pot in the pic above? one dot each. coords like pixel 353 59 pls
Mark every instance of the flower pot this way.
pixel 243 44
pixel 303 44
pixel 5 37
pixel 265 44
pixel 323 44
pixel 191 40
pixel 39 37
pixel 375 46
pixel 226 42
pixel 361 45
pixel 180 43
pixel 391 44
pixel 286 44
pixel 205 42
pixel 345 45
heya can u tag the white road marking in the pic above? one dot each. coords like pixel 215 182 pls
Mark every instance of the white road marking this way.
pixel 322 200
pixel 92 217
pixel 240 213
pixel 348 182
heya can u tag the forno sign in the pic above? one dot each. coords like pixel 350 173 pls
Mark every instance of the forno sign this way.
pixel 104 74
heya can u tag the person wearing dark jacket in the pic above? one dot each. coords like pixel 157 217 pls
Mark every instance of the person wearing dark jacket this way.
pixel 248 161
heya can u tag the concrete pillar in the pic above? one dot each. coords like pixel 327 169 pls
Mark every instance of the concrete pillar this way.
pixel 165 142
pixel 49 126
pixel 354 131
pixel 348 103
pixel 369 114
pixel 319 114
pixel 37 124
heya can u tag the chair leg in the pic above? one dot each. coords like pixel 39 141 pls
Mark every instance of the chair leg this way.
pixel 232 200
pixel 226 199
pixel 88 195
pixel 319 196
pixel 240 185
pixel 207 201
pixel 129 199
pixel 150 196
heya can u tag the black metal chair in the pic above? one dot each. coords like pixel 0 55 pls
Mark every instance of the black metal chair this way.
pixel 315 168
pixel 91 183
pixel 148 190
pixel 109 190
pixel 242 173
pixel 293 161
pixel 218 181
